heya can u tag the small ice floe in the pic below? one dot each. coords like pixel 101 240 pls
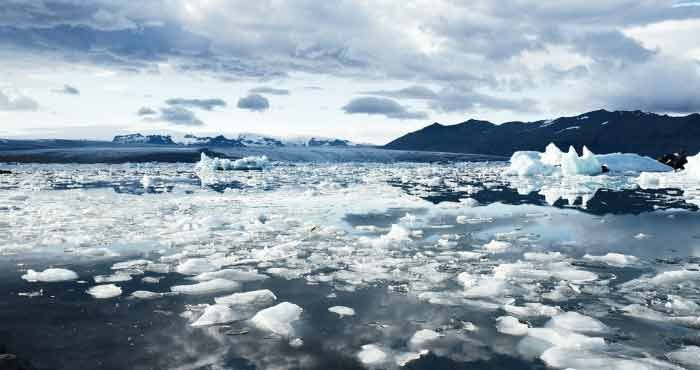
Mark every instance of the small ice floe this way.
pixel 194 266
pixel 576 322
pixel 131 264
pixel 114 278
pixel 231 274
pixel 105 291
pixel 145 294
pixel 342 311
pixel 296 343
pixel 278 319
pixel 151 280
pixel 688 356
pixel 422 338
pixel 613 259
pixel 371 354
pixel 532 309
pixel 147 181
pixel 207 287
pixel 642 236
pixel 50 275
pixel 38 293
pixel 496 246
pixel 511 326
pixel 255 297
pixel 215 315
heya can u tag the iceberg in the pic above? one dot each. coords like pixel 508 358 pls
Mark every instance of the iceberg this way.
pixel 555 162
pixel 225 164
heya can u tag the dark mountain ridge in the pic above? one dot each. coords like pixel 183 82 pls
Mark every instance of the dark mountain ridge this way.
pixel 601 130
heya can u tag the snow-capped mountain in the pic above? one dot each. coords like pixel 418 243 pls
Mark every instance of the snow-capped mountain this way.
pixel 241 140
pixel 141 139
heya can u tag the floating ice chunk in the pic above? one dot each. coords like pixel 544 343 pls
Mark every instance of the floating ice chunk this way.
pixel 255 297
pixel 496 246
pixel 396 234
pixel 642 236
pixel 278 319
pixel 666 278
pixel 404 358
pixel 151 280
pixel 543 257
pixel 532 309
pixel 105 291
pixel 231 274
pixel 194 266
pixel 342 311
pixel 131 264
pixel 50 275
pixel 216 314
pixel 567 358
pixel 511 326
pixel 576 322
pixel 296 343
pixel 207 287
pixel 688 356
pixel 145 294
pixel 679 304
pixel 277 252
pixel 629 162
pixel 114 278
pixel 422 337
pixel 371 354
pixel 613 259
pixel 146 181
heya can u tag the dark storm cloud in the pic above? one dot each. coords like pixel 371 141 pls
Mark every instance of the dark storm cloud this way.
pixel 178 116
pixel 206 104
pixel 254 102
pixel 382 106
pixel 68 89
pixel 269 90
pixel 145 111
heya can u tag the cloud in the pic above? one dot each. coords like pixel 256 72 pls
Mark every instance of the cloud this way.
pixel 206 104
pixel 17 102
pixel 254 102
pixel 411 92
pixel 661 85
pixel 381 106
pixel 177 116
pixel 146 111
pixel 454 99
pixel 68 90
pixel 269 90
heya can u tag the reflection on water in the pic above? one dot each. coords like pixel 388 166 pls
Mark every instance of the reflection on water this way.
pixel 445 267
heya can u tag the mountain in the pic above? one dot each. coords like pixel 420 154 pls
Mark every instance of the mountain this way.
pixel 141 139
pixel 242 140
pixel 602 131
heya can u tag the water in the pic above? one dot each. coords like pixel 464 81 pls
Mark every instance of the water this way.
pixel 449 248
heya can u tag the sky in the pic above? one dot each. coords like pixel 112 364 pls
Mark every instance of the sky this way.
pixel 368 71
